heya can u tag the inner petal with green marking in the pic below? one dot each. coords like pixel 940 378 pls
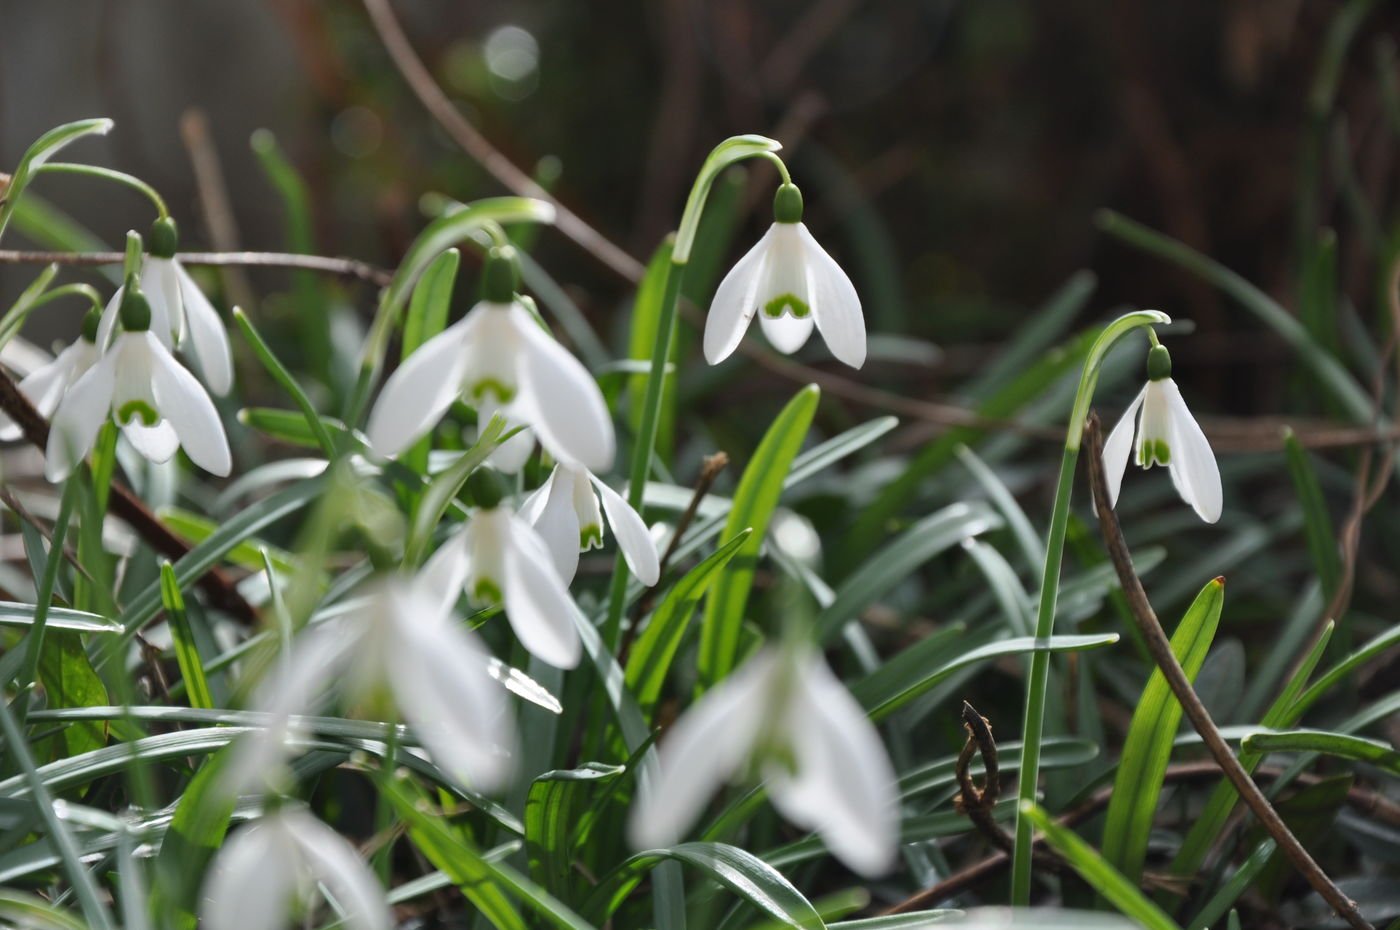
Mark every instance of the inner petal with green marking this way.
pixel 137 410
pixel 1154 452
pixel 787 303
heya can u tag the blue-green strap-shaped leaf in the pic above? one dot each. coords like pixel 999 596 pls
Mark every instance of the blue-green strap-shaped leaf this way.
pixel 552 810
pixel 44 148
pixel 754 502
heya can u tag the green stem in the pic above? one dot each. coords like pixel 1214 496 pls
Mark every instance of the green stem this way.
pixel 44 596
pixel 1050 589
pixel 109 174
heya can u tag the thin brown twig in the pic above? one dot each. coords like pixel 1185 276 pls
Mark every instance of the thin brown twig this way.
pixel 343 267
pixel 124 503
pixel 977 803
pixel 1363 800
pixel 8 498
pixel 475 144
pixel 1160 648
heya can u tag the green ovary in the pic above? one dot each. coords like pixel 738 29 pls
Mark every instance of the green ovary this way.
pixel 786 303
pixel 137 409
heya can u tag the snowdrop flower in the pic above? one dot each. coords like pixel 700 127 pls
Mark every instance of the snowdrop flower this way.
pixel 564 510
pixel 401 638
pixel 793 285
pixel 157 403
pixel 180 313
pixel 45 386
pixel 499 359
pixel 271 866
pixel 1167 435
pixel 498 558
pixel 784 717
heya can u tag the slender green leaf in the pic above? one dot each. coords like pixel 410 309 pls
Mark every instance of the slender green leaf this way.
pixel 1342 745
pixel 44 148
pixel 282 376
pixel 552 812
pixel 1317 525
pixel 186 650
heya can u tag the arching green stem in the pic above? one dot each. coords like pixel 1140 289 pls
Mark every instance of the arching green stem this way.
pixel 109 174
pixel 1050 589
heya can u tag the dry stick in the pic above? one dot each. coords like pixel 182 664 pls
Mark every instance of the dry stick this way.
pixel 442 109
pixel 1160 647
pixel 344 267
pixel 1362 800
pixel 977 803
pixel 124 503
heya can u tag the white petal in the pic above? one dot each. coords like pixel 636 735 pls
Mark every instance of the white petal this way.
pixel 844 786
pixel 81 413
pixel 537 603
pixel 703 750
pixel 561 400
pixel 786 333
pixel 44 386
pixel 155 443
pixel 108 322
pixel 445 573
pixel 206 330
pixel 162 288
pixel 1118 448
pixel 182 400
pixel 252 881
pixel 441 683
pixel 633 537
pixel 555 520
pixel 332 860
pixel 835 303
pixel 735 301
pixel 419 392
pixel 1192 466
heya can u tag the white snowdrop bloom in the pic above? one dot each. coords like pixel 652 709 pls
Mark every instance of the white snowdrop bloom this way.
pixel 401 638
pixel 46 385
pixel 793 285
pixel 498 359
pixel 1167 435
pixel 498 558
pixel 565 512
pixel 784 717
pixel 180 313
pixel 158 404
pixel 268 870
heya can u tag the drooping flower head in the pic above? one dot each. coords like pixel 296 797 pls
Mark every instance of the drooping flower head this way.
pixel 498 358
pixel 46 385
pixel 159 406
pixel 793 285
pixel 565 512
pixel 269 869
pixel 785 718
pixel 180 313
pixel 1166 434
pixel 498 558
pixel 401 639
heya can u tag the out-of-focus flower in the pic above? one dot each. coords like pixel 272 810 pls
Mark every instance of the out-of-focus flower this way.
pixel 793 285
pixel 159 405
pixel 565 511
pixel 180 313
pixel 46 385
pixel 784 717
pixel 1167 435
pixel 401 638
pixel 271 866
pixel 498 359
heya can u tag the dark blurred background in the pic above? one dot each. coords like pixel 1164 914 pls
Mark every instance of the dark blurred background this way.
pixel 953 153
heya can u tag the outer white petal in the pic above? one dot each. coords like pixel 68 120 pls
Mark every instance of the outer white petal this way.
pixel 108 322
pixel 162 288
pixel 560 399
pixel 445 573
pixel 252 880
pixel 155 443
pixel 182 400
pixel 81 413
pixel 844 786
pixel 537 603
pixel 44 386
pixel 633 537
pixel 735 301
pixel 419 392
pixel 835 304
pixel 1192 466
pixel 332 860
pixel 206 330
pixel 551 512
pixel 786 333
pixel 1119 447
pixel 440 680
pixel 703 750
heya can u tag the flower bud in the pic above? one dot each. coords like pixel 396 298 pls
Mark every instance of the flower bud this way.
pixel 787 204
pixel 500 277
pixel 164 238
